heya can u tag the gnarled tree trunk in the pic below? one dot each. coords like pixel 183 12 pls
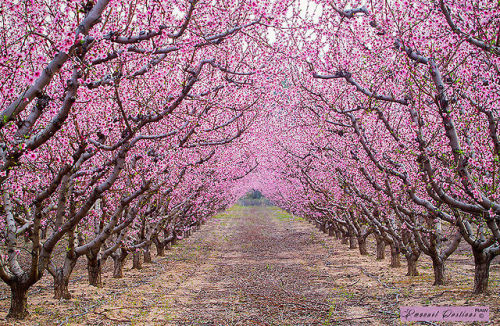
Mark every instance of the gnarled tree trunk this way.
pixel 94 270
pixel 331 230
pixel 61 283
pixel 147 254
pixel 160 247
pixel 353 242
pixel 136 260
pixel 62 275
pixel 380 248
pixel 411 260
pixel 18 301
pixel 362 245
pixel 482 263
pixel 119 262
pixel 439 271
pixel 395 256
pixel 322 227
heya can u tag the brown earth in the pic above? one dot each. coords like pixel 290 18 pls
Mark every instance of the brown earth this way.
pixel 257 266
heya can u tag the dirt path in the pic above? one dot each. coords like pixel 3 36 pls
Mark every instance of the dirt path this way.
pixel 250 266
pixel 260 270
pixel 256 266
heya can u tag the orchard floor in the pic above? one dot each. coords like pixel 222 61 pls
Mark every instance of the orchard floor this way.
pixel 257 266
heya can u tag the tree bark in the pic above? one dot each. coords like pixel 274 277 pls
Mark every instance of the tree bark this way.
pixel 338 234
pixel 439 271
pixel 380 248
pixel 345 239
pixel 412 265
pixel 18 302
pixel 119 262
pixel 62 275
pixel 61 283
pixel 147 254
pixel 362 246
pixel 331 231
pixel 160 247
pixel 395 256
pixel 352 242
pixel 482 263
pixel 94 272
pixel 412 253
pixel 117 268
pixel 136 260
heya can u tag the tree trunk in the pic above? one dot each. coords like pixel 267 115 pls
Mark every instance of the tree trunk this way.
pixel 94 272
pixel 119 262
pixel 482 263
pixel 362 245
pixel 322 227
pixel 331 231
pixel 62 275
pixel 147 254
pixel 160 247
pixel 61 283
pixel 338 234
pixel 380 248
pixel 117 268
pixel 18 302
pixel 352 242
pixel 345 239
pixel 439 271
pixel 411 260
pixel 395 256
pixel 136 260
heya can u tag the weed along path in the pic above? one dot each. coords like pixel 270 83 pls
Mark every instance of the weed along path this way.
pixel 254 266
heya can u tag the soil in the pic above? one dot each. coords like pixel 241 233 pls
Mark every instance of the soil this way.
pixel 258 266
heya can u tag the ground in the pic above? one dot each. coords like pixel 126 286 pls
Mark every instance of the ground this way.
pixel 257 266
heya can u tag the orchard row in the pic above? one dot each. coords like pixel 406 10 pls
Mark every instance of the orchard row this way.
pixel 117 120
pixel 126 124
pixel 395 132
